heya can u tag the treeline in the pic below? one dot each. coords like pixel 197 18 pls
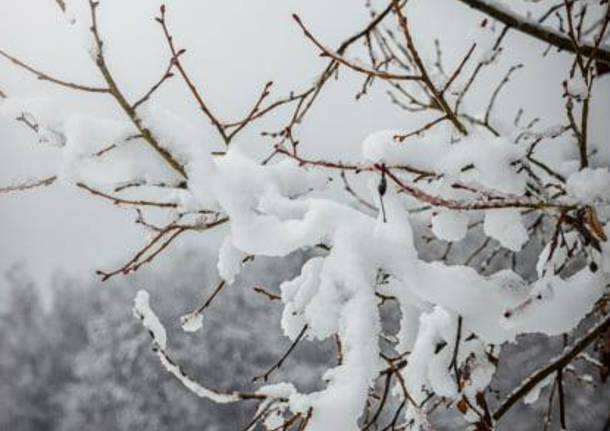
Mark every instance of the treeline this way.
pixel 73 357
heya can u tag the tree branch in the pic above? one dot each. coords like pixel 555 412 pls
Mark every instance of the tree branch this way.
pixel 28 185
pixel 537 31
pixel 46 77
pixel 552 367
pixel 127 107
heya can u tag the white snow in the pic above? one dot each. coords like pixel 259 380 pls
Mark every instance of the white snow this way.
pixel 533 395
pixel 196 388
pixel 192 322
pixel 229 260
pixel 421 151
pixel 274 212
pixel 590 185
pixel 506 226
pixel 450 225
pixel 281 207
pixel 142 311
pixel 492 160
pixel 151 322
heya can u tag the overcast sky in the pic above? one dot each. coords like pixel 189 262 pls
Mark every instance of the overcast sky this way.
pixel 234 47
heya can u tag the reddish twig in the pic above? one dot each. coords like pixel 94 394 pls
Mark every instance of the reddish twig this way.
pixel 120 201
pixel 167 75
pixel 46 77
pixel 157 245
pixel 498 203
pixel 116 93
pixel 350 64
pixel 187 80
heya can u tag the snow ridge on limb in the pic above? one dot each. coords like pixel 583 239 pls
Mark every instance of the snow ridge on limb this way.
pixel 151 322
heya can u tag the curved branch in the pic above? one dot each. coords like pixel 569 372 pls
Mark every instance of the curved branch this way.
pixel 499 202
pixel 46 77
pixel 145 314
pixel 280 362
pixel 554 366
pixel 538 31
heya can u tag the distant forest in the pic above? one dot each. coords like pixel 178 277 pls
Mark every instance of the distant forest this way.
pixel 81 361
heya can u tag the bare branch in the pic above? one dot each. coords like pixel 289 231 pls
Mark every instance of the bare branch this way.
pixel 351 64
pixel 157 245
pixel 167 75
pixel 28 185
pixel 46 77
pixel 500 202
pixel 280 362
pixel 438 95
pixel 191 86
pixel 120 201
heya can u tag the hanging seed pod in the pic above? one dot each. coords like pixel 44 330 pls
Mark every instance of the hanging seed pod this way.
pixel 383 184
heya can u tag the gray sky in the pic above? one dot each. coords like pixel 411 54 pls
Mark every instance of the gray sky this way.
pixel 233 48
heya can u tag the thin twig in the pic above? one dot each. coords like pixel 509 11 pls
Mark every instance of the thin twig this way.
pixel 28 185
pixel 46 77
pixel 351 64
pixel 187 80
pixel 280 362
pixel 120 201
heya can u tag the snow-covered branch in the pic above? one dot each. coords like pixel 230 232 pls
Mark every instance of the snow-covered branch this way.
pixel 543 33
pixel 518 210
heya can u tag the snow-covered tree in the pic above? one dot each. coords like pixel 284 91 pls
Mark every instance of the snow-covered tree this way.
pixel 28 364
pixel 480 225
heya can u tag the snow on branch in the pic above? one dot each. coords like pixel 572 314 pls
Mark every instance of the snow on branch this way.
pixel 155 328
pixel 557 364
pixel 545 34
